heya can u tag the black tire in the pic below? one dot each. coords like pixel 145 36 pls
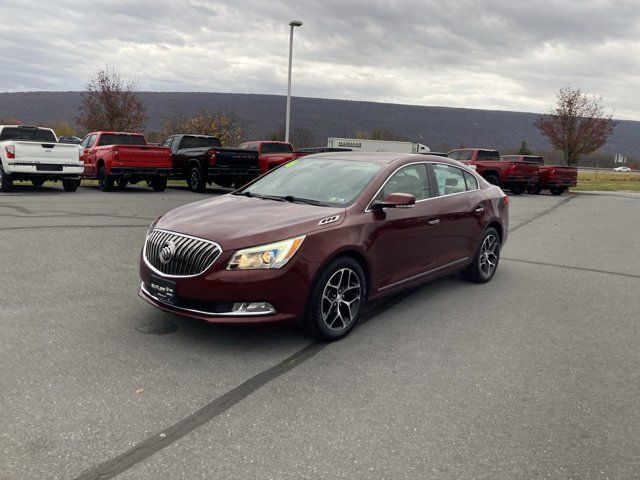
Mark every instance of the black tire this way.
pixel 105 182
pixel 534 189
pixel 492 179
pixel 37 182
pixel 517 189
pixel 557 190
pixel 483 267
pixel 225 182
pixel 70 184
pixel 6 182
pixel 239 182
pixel 122 183
pixel 196 179
pixel 334 298
pixel 159 184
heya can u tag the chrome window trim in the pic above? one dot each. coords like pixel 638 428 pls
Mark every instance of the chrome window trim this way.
pixel 424 274
pixel 202 312
pixel 158 272
pixel 369 209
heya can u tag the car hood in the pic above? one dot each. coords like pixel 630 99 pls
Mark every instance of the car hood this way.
pixel 235 221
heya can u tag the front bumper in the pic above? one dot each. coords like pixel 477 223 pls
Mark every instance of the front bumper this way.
pixel 210 296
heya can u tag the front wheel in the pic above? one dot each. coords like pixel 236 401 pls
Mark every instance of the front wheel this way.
pixel 493 180
pixel 534 189
pixel 337 299
pixel 6 182
pixel 557 190
pixel 70 184
pixel 485 262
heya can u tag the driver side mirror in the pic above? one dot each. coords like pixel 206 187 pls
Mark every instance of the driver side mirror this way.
pixel 395 200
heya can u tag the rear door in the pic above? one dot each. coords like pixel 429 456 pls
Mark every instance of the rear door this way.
pixel 460 211
pixel 405 241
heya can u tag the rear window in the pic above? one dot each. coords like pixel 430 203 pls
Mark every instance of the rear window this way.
pixel 488 155
pixel 121 139
pixel 199 142
pixel 534 159
pixel 276 148
pixel 28 134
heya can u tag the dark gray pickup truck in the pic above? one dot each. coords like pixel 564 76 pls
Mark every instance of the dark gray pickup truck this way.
pixel 202 160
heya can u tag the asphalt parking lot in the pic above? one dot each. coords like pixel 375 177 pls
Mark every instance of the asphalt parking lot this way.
pixel 534 375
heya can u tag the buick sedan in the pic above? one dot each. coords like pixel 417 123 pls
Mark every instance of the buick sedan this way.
pixel 318 237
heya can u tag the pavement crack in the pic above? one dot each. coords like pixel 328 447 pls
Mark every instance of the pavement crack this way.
pixel 542 214
pixel 17 208
pixel 570 267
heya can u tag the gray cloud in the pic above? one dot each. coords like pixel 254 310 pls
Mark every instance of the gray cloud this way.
pixel 480 54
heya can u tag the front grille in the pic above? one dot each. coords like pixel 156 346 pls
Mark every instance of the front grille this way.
pixel 183 255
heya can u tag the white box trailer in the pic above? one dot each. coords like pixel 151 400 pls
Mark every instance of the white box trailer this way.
pixel 362 145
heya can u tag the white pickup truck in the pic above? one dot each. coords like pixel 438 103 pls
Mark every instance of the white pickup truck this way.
pixel 34 154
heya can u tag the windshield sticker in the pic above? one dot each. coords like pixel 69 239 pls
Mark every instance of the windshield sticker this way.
pixel 338 200
pixel 291 163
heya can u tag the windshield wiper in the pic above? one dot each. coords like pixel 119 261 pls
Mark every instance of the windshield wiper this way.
pixel 257 195
pixel 308 201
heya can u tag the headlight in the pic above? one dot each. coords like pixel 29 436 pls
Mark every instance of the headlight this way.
pixel 273 255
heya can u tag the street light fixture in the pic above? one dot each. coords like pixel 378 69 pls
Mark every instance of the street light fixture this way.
pixel 292 24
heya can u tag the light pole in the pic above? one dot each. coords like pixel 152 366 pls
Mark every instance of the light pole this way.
pixel 292 24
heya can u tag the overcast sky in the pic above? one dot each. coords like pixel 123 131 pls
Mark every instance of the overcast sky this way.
pixel 493 54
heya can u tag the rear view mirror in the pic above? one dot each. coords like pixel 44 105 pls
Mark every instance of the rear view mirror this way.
pixel 395 200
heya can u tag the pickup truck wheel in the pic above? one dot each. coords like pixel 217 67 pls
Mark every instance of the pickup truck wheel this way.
pixel 122 183
pixel 225 182
pixel 534 189
pixel 557 190
pixel 105 182
pixel 159 184
pixel 337 299
pixel 71 184
pixel 485 261
pixel 517 189
pixel 196 179
pixel 6 182
pixel 37 182
pixel 492 179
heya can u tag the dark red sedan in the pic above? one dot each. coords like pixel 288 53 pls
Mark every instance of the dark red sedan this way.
pixel 316 238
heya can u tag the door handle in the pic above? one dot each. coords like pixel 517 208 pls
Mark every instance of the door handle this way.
pixel 433 222
pixel 479 209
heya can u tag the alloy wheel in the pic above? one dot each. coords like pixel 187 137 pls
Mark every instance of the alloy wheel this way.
pixel 195 179
pixel 341 299
pixel 489 255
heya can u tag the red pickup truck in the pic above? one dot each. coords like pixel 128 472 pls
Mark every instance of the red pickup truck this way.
pixel 120 158
pixel 271 153
pixel 555 178
pixel 516 176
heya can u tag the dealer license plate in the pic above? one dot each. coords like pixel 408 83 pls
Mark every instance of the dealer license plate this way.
pixel 163 290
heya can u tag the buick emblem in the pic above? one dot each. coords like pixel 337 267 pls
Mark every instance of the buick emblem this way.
pixel 167 251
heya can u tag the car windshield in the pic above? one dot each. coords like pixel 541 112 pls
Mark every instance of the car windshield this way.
pixel 330 182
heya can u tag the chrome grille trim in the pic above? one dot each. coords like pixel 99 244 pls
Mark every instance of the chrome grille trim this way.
pixel 192 256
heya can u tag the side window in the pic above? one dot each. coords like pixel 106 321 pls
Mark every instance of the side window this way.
pixel 450 179
pixel 455 155
pixel 484 155
pixel 92 140
pixel 85 141
pixel 494 156
pixel 472 182
pixel 465 155
pixel 411 179
pixel 167 142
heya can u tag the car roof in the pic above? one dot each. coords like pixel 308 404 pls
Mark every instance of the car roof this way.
pixel 383 158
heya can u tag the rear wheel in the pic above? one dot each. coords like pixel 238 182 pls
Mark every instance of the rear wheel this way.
pixel 196 179
pixel 557 190
pixel 71 184
pixel 337 299
pixel 37 182
pixel 517 189
pixel 225 182
pixel 492 179
pixel 485 262
pixel 105 181
pixel 159 184
pixel 6 182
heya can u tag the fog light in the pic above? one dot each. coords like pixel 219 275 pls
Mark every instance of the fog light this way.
pixel 254 307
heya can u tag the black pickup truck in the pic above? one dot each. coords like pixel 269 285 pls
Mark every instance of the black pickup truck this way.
pixel 201 159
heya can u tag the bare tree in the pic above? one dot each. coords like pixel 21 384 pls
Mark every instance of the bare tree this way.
pixel 577 125
pixel 299 137
pixel 110 102
pixel 224 125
